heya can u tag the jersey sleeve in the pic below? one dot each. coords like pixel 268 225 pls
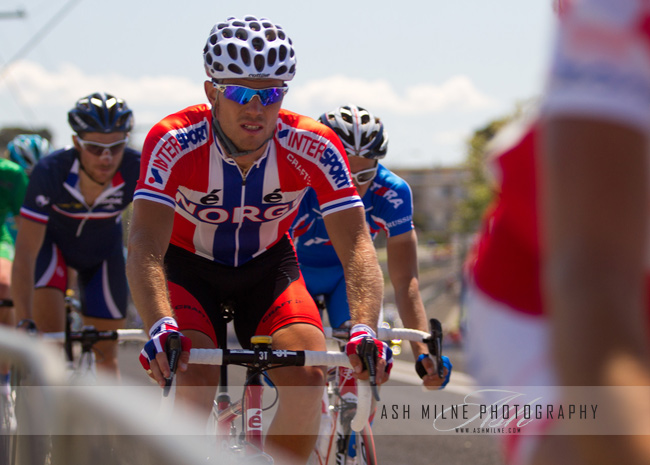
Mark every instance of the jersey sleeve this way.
pixel 20 186
pixel 395 212
pixel 40 193
pixel 166 145
pixel 601 63
pixel 316 153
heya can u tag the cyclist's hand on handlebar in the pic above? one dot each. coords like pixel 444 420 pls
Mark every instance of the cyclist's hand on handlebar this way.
pixel 384 355
pixel 153 356
pixel 425 367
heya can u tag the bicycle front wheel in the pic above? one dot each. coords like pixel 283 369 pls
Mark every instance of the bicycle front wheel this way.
pixel 366 454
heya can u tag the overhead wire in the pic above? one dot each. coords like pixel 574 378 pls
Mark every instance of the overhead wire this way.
pixel 24 50
pixel 38 36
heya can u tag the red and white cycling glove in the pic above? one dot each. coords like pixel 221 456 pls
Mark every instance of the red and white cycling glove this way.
pixel 159 333
pixel 358 333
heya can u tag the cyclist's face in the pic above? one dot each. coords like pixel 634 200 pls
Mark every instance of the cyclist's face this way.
pixel 248 125
pixel 101 165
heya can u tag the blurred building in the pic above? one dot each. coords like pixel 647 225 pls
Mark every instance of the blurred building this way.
pixel 437 193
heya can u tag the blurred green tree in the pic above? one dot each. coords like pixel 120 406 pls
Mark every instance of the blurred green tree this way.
pixel 480 190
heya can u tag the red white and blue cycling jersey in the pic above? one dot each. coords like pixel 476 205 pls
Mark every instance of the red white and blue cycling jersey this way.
pixel 227 217
pixel 389 207
pixel 601 69
pixel 505 263
pixel 601 65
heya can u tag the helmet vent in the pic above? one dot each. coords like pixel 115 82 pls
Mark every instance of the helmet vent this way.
pixel 245 56
pixel 273 54
pixel 241 34
pixel 270 35
pixel 235 69
pixel 232 51
pixel 258 44
pixel 259 62
pixel 255 26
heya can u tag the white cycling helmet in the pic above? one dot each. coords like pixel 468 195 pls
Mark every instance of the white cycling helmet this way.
pixel 361 133
pixel 28 149
pixel 249 48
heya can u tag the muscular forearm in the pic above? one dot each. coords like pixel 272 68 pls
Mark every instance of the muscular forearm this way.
pixel 22 288
pixel 403 271
pixel 411 311
pixel 145 272
pixel 365 285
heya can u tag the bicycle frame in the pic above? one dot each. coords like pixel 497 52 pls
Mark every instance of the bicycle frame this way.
pixel 250 406
pixel 263 357
pixel 342 389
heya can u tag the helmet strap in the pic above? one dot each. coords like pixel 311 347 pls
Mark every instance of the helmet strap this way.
pixel 227 143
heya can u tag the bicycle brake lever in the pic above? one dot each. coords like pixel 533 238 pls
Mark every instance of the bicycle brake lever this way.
pixel 173 350
pixel 367 350
pixel 435 345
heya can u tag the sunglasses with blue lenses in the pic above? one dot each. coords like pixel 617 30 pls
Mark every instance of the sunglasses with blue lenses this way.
pixel 242 95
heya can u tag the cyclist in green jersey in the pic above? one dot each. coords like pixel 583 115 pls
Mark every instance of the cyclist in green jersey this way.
pixel 22 153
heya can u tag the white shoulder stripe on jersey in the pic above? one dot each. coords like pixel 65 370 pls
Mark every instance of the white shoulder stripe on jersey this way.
pixel 34 215
pixel 343 204
pixel 153 196
pixel 333 203
pixel 87 215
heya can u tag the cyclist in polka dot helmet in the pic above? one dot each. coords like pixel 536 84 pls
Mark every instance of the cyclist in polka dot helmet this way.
pixel 220 184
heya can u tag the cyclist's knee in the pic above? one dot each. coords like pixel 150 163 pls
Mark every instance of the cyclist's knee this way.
pixel 315 377
pixel 304 377
pixel 4 289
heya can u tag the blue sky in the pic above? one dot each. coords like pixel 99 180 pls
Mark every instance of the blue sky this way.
pixel 433 70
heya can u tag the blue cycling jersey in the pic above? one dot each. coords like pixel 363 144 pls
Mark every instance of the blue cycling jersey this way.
pixel 86 235
pixel 389 207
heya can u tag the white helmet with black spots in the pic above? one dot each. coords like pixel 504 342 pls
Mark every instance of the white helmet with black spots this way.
pixel 249 48
pixel 361 133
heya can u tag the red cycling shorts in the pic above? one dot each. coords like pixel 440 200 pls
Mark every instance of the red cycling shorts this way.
pixel 265 294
